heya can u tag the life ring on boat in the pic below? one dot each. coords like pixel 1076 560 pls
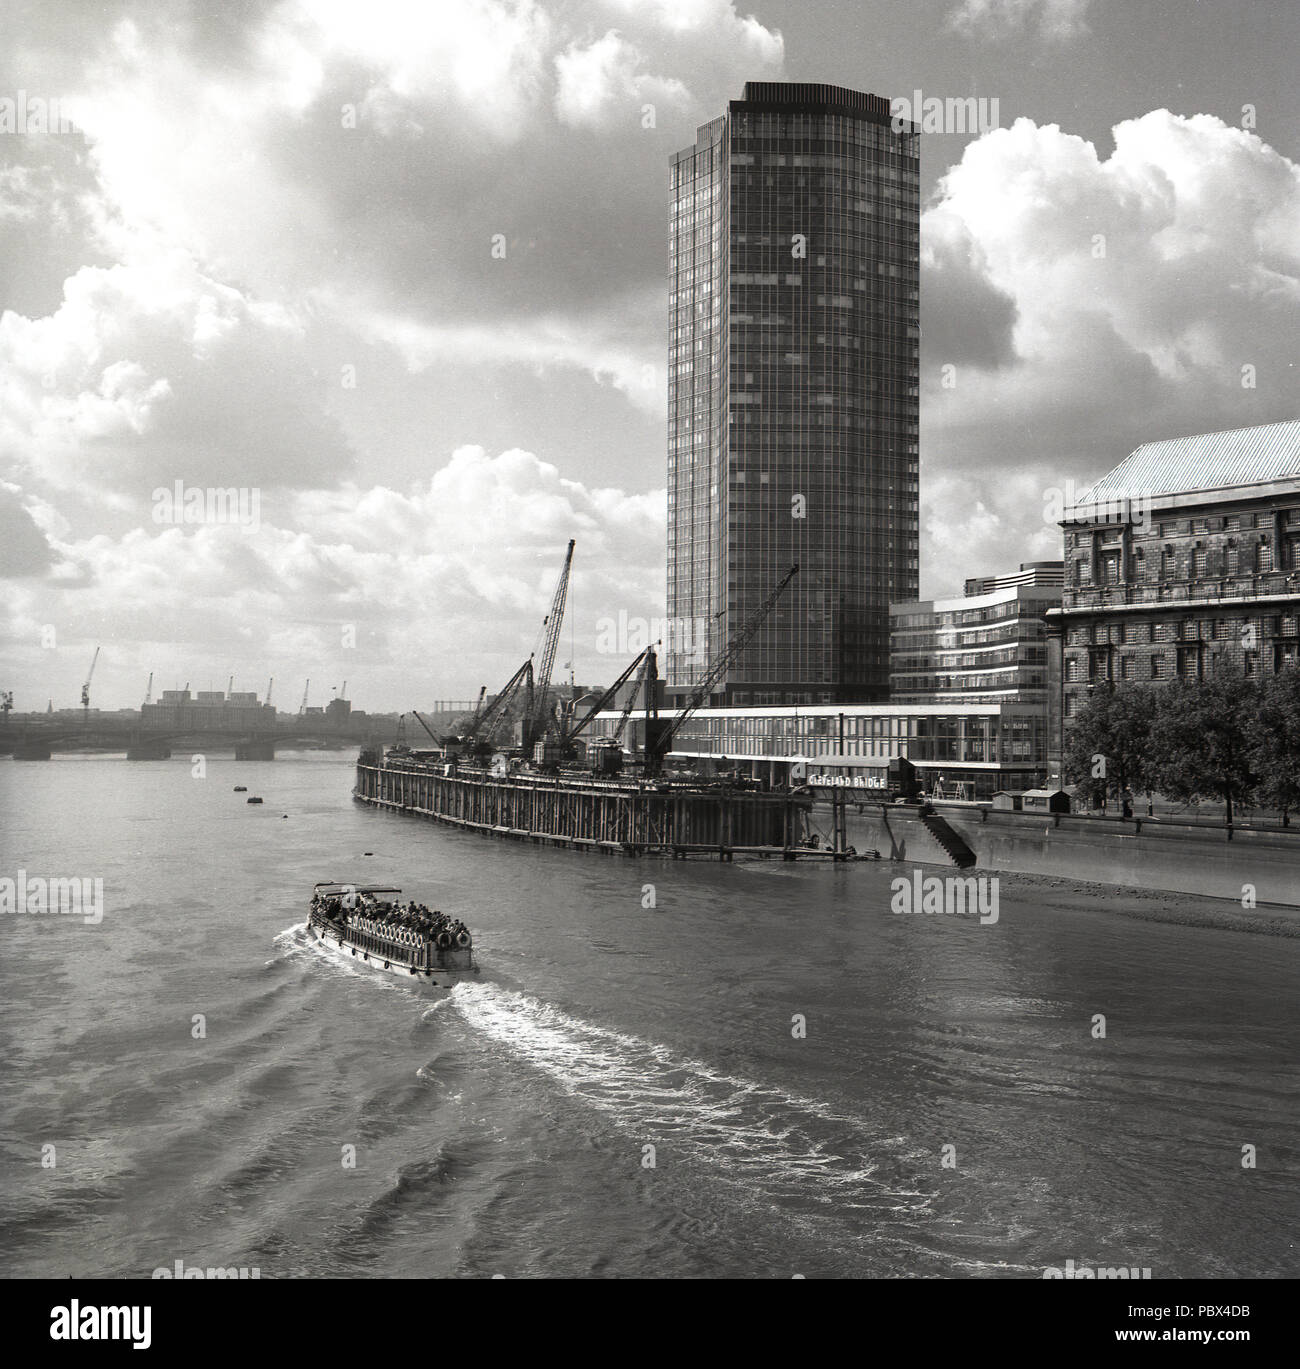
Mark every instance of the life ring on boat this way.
pixel 462 939
pixel 444 940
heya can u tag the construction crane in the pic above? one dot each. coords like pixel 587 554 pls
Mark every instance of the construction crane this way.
pixel 660 733
pixel 85 688
pixel 645 686
pixel 487 717
pixel 478 707
pixel 535 721
pixel 565 749
pixel 427 728
pixel 580 724
pixel 302 707
pixel 475 724
pixel 479 733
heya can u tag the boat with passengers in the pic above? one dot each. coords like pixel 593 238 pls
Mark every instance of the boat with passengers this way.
pixel 375 925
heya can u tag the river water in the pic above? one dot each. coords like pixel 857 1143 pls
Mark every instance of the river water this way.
pixel 662 1069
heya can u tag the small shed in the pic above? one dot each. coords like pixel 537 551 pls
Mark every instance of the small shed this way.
pixel 1045 801
pixel 1007 800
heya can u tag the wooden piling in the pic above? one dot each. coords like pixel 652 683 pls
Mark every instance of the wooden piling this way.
pixel 588 814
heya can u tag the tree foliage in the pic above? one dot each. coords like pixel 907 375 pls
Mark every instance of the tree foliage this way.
pixel 1274 736
pixel 1107 749
pixel 1200 740
pixel 1223 737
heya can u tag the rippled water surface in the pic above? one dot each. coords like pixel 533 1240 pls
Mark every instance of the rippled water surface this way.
pixel 622 1089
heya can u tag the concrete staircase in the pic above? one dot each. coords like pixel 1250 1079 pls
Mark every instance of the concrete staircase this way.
pixel 958 852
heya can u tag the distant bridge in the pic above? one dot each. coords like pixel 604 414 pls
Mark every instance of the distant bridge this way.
pixel 37 739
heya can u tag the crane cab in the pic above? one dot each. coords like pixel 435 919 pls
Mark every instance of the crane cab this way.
pixel 606 758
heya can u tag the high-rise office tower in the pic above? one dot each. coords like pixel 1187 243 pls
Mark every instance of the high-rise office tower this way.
pixel 793 392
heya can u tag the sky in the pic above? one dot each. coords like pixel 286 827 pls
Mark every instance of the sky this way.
pixel 396 271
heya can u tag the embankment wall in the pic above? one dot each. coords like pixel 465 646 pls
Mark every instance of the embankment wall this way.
pixel 1140 853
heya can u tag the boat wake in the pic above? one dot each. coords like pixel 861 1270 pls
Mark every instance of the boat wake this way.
pixel 297 940
pixel 292 939
pixel 774 1143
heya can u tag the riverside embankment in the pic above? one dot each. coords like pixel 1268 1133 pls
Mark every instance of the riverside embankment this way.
pixel 1259 866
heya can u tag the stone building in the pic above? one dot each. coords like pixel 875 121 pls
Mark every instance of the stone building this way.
pixel 1185 559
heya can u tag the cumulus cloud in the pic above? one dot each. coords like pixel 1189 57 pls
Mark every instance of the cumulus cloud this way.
pixel 23 548
pixel 715 20
pixel 1056 20
pixel 380 151
pixel 485 58
pixel 965 317
pixel 1115 300
pixel 593 81
pixel 256 160
pixel 443 584
pixel 152 371
pixel 491 531
pixel 602 345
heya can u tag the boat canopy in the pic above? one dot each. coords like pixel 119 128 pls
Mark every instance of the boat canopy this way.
pixel 331 886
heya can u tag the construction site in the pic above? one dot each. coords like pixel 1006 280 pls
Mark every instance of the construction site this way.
pixel 523 765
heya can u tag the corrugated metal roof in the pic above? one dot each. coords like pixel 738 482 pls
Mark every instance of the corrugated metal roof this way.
pixel 1207 461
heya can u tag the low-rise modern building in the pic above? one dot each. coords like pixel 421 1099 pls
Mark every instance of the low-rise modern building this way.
pixel 988 647
pixel 1039 574
pixel 1183 560
pixel 969 708
pixel 971 749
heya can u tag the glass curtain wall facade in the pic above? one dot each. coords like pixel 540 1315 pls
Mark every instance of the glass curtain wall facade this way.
pixel 990 746
pixel 989 647
pixel 793 393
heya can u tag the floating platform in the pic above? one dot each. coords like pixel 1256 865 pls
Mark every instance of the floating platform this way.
pixel 613 816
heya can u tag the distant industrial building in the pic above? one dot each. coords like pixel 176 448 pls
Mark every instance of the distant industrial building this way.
pixel 208 710
pixel 989 647
pixel 793 393
pixel 1183 560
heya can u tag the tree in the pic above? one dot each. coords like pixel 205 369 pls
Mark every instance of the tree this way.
pixel 1107 749
pixel 1200 743
pixel 1274 737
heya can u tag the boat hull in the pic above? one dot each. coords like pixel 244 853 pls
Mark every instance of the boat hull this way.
pixel 338 943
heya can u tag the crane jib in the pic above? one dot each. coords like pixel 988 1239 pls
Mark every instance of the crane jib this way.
pixel 553 622
pixel 718 668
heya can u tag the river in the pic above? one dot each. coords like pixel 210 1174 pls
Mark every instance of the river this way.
pixel 662 1069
